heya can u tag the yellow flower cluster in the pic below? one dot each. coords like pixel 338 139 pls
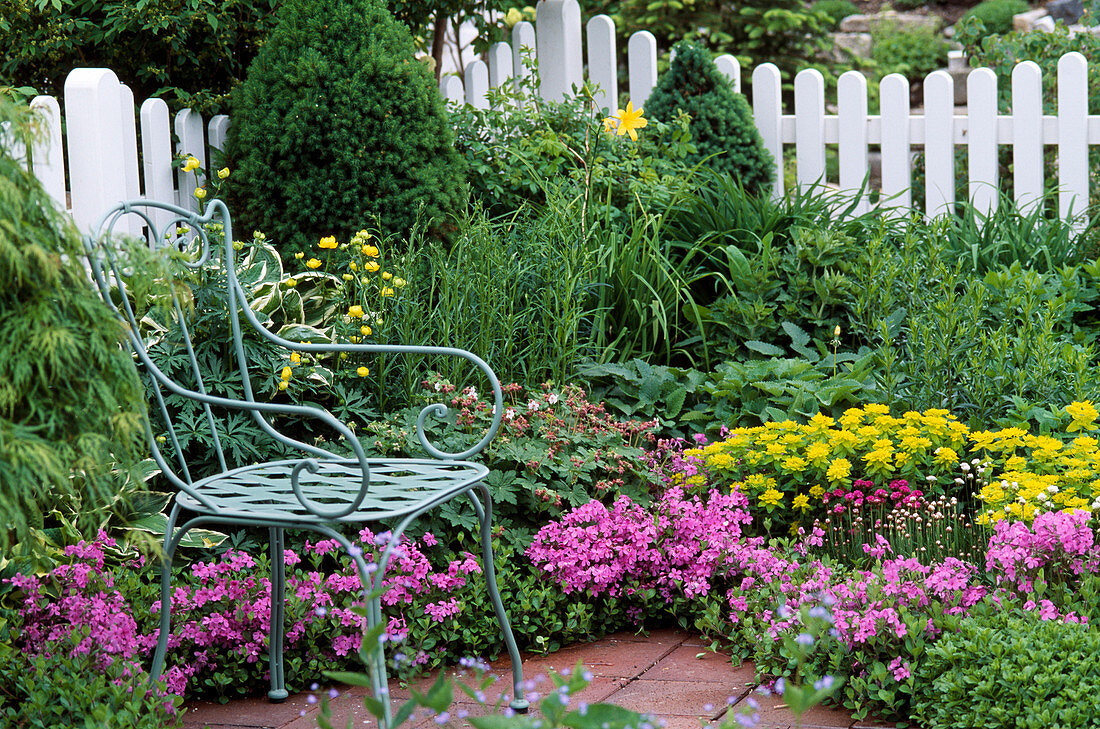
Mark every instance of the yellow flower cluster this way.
pixel 1023 474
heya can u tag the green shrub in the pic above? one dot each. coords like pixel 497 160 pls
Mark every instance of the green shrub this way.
pixel 722 126
pixel 914 52
pixel 71 404
pixel 1009 670
pixel 835 10
pixel 337 124
pixel 996 15
pixel 192 53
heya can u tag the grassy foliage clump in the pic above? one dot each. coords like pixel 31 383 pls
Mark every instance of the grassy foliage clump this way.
pixel 71 403
pixel 338 124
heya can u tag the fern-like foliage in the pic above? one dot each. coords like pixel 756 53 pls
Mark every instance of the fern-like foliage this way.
pixel 71 403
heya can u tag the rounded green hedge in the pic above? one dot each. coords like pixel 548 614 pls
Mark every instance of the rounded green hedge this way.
pixel 336 125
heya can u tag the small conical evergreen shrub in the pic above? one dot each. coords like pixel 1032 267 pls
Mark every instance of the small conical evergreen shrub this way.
pixel 721 120
pixel 71 403
pixel 338 124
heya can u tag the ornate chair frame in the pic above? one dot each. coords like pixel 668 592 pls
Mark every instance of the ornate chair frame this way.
pixel 279 495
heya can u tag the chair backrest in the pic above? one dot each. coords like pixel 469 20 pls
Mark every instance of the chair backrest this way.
pixel 148 259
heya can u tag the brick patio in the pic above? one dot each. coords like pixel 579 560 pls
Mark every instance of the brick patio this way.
pixel 668 673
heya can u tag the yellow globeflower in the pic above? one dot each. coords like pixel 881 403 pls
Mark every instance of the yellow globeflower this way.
pixel 353 266
pixel 286 374
pixel 399 283
pixel 299 255
pixel 365 330
pixel 200 192
pixel 295 358
pixel 313 263
pixel 191 164
pixel 290 283
pixel 329 242
pixel 355 312
pixel 371 266
pixel 387 291
pixel 282 384
pixel 362 371
pixel 386 275
pixel 223 173
pixel 348 277
pixel 369 251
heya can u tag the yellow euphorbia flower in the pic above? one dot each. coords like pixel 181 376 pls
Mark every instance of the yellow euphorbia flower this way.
pixel 839 470
pixel 1084 416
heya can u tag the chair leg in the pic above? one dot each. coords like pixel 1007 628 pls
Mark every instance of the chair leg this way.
pixel 165 597
pixel 278 692
pixel 485 517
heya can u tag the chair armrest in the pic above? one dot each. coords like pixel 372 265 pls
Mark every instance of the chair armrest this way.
pixel 438 410
pixel 307 464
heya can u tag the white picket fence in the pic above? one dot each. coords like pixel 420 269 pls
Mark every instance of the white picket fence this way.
pixel 103 134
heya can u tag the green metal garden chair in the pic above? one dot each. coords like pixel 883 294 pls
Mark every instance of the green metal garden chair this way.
pixel 318 491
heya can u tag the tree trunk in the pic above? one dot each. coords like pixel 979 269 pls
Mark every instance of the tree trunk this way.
pixel 439 34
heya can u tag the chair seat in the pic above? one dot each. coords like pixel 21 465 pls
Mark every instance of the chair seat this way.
pixel 263 492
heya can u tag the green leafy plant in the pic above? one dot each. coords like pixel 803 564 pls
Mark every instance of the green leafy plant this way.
pixel 912 52
pixel 835 10
pixel 1010 669
pixel 722 127
pixel 337 124
pixel 524 149
pixel 996 15
pixel 193 53
pixel 72 408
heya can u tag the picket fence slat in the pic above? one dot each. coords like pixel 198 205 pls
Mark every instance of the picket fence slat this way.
pixel 558 42
pixel 452 90
pixel 809 109
pixel 47 155
pixel 939 143
pixel 477 84
pixel 216 132
pixel 602 70
pixel 896 161
pixel 1027 135
pixel 500 64
pixel 93 126
pixel 852 134
pixel 981 101
pixel 1073 157
pixel 156 156
pixel 641 52
pixel 729 67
